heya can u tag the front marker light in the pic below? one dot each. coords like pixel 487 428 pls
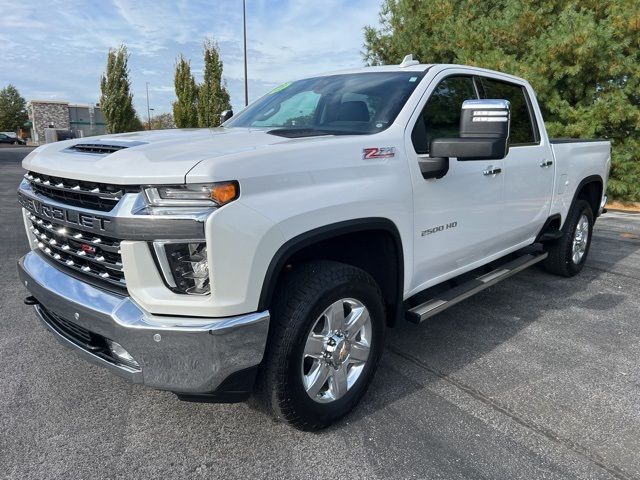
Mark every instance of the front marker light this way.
pixel 184 266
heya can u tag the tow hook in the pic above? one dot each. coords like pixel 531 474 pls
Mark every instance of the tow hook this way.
pixel 31 300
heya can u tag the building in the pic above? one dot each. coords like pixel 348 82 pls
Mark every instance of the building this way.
pixel 79 120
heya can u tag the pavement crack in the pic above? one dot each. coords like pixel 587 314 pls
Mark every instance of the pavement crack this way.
pixel 592 457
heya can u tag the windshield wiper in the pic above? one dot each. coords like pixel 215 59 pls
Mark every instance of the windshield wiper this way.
pixel 308 132
pixel 297 132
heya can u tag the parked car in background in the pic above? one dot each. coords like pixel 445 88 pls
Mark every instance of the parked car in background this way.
pixel 6 137
pixel 274 252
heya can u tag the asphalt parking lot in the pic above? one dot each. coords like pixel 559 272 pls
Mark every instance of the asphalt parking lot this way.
pixel 536 377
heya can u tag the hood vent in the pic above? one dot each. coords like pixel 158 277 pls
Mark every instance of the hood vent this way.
pixel 102 148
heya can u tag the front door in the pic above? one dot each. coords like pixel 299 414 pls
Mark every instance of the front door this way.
pixel 457 218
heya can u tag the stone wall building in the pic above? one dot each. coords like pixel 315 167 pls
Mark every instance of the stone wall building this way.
pixel 81 120
pixel 45 114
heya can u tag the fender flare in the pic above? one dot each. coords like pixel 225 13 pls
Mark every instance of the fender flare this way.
pixel 297 243
pixel 583 182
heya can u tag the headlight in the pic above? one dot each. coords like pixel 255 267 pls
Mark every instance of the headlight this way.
pixel 184 266
pixel 192 195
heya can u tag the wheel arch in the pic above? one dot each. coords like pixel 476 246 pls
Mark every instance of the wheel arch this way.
pixel 362 238
pixel 589 189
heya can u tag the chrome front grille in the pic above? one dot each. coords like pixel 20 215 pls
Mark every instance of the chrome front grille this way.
pixel 78 193
pixel 92 255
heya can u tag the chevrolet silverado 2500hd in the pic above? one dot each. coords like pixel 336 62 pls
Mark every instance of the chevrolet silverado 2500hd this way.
pixel 268 256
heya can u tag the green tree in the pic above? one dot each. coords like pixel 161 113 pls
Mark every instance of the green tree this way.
pixel 185 108
pixel 213 97
pixel 13 112
pixel 582 58
pixel 116 100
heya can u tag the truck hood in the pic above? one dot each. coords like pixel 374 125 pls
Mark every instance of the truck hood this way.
pixel 160 156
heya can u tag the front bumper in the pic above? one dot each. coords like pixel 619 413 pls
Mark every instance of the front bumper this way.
pixel 190 355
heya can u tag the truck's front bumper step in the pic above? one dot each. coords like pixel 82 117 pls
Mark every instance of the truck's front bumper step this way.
pixel 190 355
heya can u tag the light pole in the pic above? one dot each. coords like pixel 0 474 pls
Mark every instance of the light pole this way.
pixel 244 26
pixel 148 109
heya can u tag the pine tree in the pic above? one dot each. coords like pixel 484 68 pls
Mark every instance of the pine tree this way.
pixel 13 112
pixel 213 97
pixel 185 108
pixel 582 58
pixel 116 101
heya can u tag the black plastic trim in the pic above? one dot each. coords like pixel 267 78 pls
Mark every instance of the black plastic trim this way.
pixel 545 228
pixel 324 233
pixel 589 179
pixel 237 387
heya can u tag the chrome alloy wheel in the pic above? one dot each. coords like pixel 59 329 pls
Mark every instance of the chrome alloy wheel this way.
pixel 337 350
pixel 580 239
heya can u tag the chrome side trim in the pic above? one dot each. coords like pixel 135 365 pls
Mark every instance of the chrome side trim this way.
pixel 603 203
pixel 486 104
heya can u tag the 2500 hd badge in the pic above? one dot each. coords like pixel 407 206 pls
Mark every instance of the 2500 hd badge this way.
pixel 439 228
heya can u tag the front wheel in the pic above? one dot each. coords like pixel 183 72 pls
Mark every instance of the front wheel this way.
pixel 569 253
pixel 326 337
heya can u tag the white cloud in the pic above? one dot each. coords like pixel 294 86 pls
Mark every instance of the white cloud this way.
pixel 59 48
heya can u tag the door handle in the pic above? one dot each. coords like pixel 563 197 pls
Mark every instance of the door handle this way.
pixel 491 171
pixel 546 163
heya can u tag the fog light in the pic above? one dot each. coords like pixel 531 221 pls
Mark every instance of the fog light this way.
pixel 184 266
pixel 121 354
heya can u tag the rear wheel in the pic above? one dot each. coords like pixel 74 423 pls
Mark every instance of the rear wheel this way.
pixel 569 253
pixel 326 337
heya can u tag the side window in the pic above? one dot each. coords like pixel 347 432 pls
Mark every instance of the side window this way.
pixel 440 117
pixel 522 128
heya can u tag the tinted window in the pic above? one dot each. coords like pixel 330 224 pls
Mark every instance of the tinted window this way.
pixel 440 117
pixel 358 103
pixel 521 126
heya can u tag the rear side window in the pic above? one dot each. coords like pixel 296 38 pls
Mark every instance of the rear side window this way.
pixel 440 117
pixel 522 128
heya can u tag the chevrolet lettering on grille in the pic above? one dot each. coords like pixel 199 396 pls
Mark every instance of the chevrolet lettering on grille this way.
pixel 70 217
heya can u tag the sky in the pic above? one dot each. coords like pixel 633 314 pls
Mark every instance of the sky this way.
pixel 57 49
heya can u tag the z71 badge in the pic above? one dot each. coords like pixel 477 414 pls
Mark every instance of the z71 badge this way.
pixel 378 152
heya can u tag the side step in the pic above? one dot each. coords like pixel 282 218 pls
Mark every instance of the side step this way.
pixel 449 298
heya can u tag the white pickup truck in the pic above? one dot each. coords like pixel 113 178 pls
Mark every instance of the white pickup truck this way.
pixel 270 255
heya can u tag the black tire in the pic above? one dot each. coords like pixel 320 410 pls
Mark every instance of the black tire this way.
pixel 301 298
pixel 560 260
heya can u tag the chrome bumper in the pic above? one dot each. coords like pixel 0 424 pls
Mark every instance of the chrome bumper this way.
pixel 182 354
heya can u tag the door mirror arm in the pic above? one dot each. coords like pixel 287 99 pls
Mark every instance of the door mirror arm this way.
pixel 433 167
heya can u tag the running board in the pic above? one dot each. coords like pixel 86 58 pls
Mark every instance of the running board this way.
pixel 449 298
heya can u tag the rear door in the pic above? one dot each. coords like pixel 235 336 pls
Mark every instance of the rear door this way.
pixel 457 217
pixel 529 171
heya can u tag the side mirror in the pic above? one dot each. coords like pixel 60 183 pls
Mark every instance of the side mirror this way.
pixel 226 115
pixel 484 132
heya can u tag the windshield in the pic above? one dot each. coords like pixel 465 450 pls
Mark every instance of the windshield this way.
pixel 359 103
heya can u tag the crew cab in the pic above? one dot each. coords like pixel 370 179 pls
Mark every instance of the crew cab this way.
pixel 269 256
